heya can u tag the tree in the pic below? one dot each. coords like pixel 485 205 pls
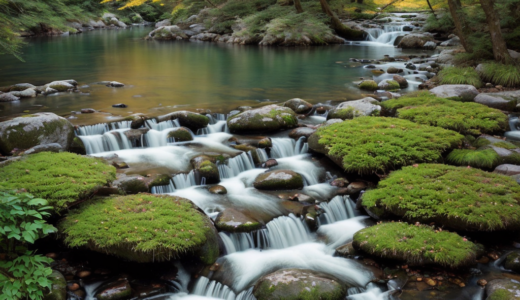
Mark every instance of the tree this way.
pixel 340 28
pixel 23 275
pixel 9 41
pixel 500 51
pixel 461 25
pixel 298 6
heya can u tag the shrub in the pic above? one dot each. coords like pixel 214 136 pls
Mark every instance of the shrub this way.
pixel 416 245
pixel 464 117
pixel 457 197
pixel 61 178
pixel 142 228
pixel 500 74
pixel 370 144
pixel 296 29
pixel 457 75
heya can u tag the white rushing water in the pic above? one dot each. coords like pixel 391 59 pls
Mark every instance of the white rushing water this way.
pixel 302 165
pixel 207 288
pixel 109 141
pixel 338 209
pixel 285 147
pixel 386 35
pixel 372 292
pixel 236 165
pixel 342 232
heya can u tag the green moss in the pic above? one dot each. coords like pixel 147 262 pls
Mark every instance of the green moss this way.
pixel 483 159
pixel 392 85
pixel 277 180
pixel 463 117
pixel 502 295
pixel 505 145
pixel 456 197
pixel 500 74
pixel 369 85
pixel 142 228
pixel 458 75
pixel 416 245
pixel 373 144
pixel 28 116
pixel 266 291
pixel 162 179
pixel 60 178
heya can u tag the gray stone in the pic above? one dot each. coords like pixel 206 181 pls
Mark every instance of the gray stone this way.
pixel 232 220
pixel 28 93
pixel 494 102
pixel 54 147
pixel 264 119
pixel 173 32
pixel 21 87
pixel 453 42
pixel 350 109
pixel 163 23
pixel 510 287
pixel 507 169
pixel 446 57
pixel 8 97
pixel 49 91
pixel 301 131
pixel 60 86
pixel 465 92
pixel 415 40
pixel 298 105
pixel 279 180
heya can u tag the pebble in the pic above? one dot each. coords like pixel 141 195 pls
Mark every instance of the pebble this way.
pixel 83 274
pixel 73 287
pixel 482 282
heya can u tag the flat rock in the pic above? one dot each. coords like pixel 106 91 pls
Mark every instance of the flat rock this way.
pixel 8 97
pixel 465 92
pixel 279 180
pixel 357 108
pixel 232 220
pixel 494 102
pixel 507 169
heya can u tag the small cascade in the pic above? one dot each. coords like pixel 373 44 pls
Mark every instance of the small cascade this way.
pixel 155 138
pixel 109 141
pixel 372 292
pixel 285 147
pixel 178 182
pixel 338 209
pixel 303 166
pixel 152 124
pixel 120 125
pixel 386 35
pixel 342 232
pixel 236 165
pixel 96 129
pixel 262 155
pixel 214 289
pixel 219 126
pixel 90 290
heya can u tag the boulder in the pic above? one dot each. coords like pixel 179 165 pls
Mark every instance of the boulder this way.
pixel 403 83
pixel 96 24
pixel 415 40
pixel 206 168
pixel 137 120
pixel 232 220
pixel 54 147
pixel 453 42
pixel 168 33
pixel 298 105
pixel 188 119
pixel 36 129
pixel 28 93
pixel 513 261
pixel 60 86
pixel 369 85
pixel 297 133
pixel 394 70
pixel 346 251
pixel 116 290
pixel 388 84
pixel 495 102
pixel 298 284
pixel 265 143
pixel 446 57
pixel 502 289
pixel 163 23
pixel 21 87
pixel 180 134
pixel 463 92
pixel 130 185
pixel 218 190
pixel 507 169
pixel 49 91
pixel 8 97
pixel 264 119
pixel 279 180
pixel 350 109
pixel 115 84
pixel 58 290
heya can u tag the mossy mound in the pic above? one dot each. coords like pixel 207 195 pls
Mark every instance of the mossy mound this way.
pixel 490 153
pixel 369 85
pixel 416 245
pixel 456 197
pixel 264 119
pixel 60 178
pixel 142 228
pixel 464 117
pixel 370 144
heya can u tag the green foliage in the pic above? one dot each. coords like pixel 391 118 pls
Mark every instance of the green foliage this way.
pixel 23 275
pixel 370 144
pixel 369 85
pixel 502 294
pixel 464 117
pixel 417 245
pixel 458 75
pixel 500 74
pixel 295 26
pixel 161 227
pixel 457 197
pixel 61 178
pixel 442 24
pixel 9 42
pixel 482 159
pixel 255 24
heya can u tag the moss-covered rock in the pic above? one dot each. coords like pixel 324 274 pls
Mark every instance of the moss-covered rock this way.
pixel 30 130
pixel 352 109
pixel 58 290
pixel 61 178
pixel 142 228
pixel 232 220
pixel 503 289
pixel 60 86
pixel 206 167
pixel 463 117
pixel 513 261
pixel 265 143
pixel 389 85
pixel 158 180
pixel 456 197
pixel 403 83
pixel 136 119
pixel 77 146
pixel 264 119
pixel 180 135
pixel 368 85
pixel 373 144
pixel 188 119
pixel 298 105
pixel 416 245
pixel 490 153
pixel 298 284
pixel 279 180
pixel 129 185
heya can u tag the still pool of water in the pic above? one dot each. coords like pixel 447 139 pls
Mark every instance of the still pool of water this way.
pixel 181 75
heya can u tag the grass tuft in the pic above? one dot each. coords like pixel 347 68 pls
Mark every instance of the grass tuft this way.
pixel 500 74
pixel 457 75
pixel 483 159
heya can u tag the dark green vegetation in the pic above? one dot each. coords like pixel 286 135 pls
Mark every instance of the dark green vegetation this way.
pixel 500 74
pixel 464 117
pixel 456 197
pixel 161 228
pixel 454 75
pixel 483 159
pixel 371 144
pixel 60 178
pixel 416 245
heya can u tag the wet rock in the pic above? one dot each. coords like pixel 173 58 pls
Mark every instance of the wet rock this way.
pixel 60 86
pixel 173 32
pixel 388 84
pixel 8 97
pixel 54 147
pixel 115 84
pixel 271 163
pixel 513 261
pixel 206 168
pixel 482 282
pixel 495 102
pixel 298 105
pixel 297 133
pixel 87 110
pixel 356 187
pixel 73 286
pixel 180 134
pixel 117 290
pixel 137 120
pixel 357 108
pixel 130 185
pixel 264 119
pixel 188 119
pixel 21 87
pixel 394 70
pixel 35 129
pixel 499 289
pixel 415 40
pixel 218 189
pixel 279 180
pixel 77 146
pixel 120 105
pixel 232 220
pixel 298 284
pixel 58 290
pixel 135 134
pixel 346 251
pixel 339 182
pixel 507 169
pixel 403 83
pixel 265 143
pixel 49 91
pixel 83 274
pixel 464 92
pixel 28 93
pixel 453 42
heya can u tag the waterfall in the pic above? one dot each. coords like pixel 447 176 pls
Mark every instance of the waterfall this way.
pixel 236 165
pixel 120 125
pixel 90 289
pixel 282 232
pixel 342 232
pixel 387 35
pixel 285 147
pixel 96 129
pixel 219 126
pixel 262 155
pixel 155 138
pixel 214 289
pixel 178 182
pixel 109 141
pixel 152 124
pixel 338 209
pixel 372 292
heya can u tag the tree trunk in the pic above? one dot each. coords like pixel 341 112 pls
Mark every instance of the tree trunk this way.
pixel 499 45
pixel 431 8
pixel 342 30
pixel 360 1
pixel 461 25
pixel 298 6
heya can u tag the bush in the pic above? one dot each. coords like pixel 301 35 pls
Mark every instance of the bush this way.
pixel 458 75
pixel 457 197
pixel 371 144
pixel 142 228
pixel 416 245
pixel 296 29
pixel 61 178
pixel 500 74
pixel 464 117
pixel 442 24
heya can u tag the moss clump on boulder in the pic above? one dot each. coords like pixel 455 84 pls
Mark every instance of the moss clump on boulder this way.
pixel 389 85
pixel 36 129
pixel 279 180
pixel 264 119
pixel 369 85
pixel 463 117
pixel 486 159
pixel 142 228
pixel 162 179
pixel 206 168
pixel 502 289
pixel 352 109
pixel 372 144
pixel 232 220
pixel 180 135
pixel 416 245
pixel 456 197
pixel 298 284
pixel 60 178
